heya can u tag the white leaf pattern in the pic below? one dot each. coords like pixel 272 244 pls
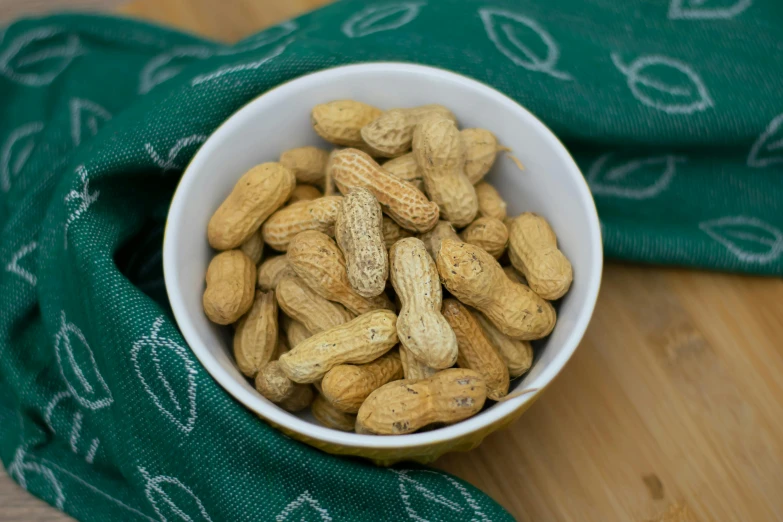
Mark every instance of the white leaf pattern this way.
pixel 304 509
pixel 78 367
pixel 14 267
pixel 768 148
pixel 378 18
pixel 632 179
pixel 750 239
pixel 85 113
pixel 173 388
pixel 172 500
pixel 715 9
pixel 169 163
pixel 25 62
pixel 267 37
pixel 250 66
pixel 508 30
pixel 85 197
pixel 167 65
pixel 64 418
pixel 686 96
pixel 423 505
pixel 36 478
pixel 16 151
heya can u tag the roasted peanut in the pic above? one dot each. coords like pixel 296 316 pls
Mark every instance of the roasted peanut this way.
pixel 254 247
pixel 359 341
pixel 488 233
pixel 359 233
pixel 433 238
pixel 392 232
pixel 405 406
pixel 404 203
pixel 406 168
pixel 272 271
pixel 518 355
pixel 475 350
pixel 513 274
pixel 421 327
pixel 440 153
pixel 255 339
pixel 272 383
pixel 231 281
pixel 301 303
pixel 346 386
pixel 533 251
pixel 413 368
pixel 340 122
pixel 489 201
pixel 474 277
pixel 304 193
pixel 258 193
pixel 316 258
pixel 390 134
pixel 295 331
pixel 318 214
pixel 331 417
pixel 307 163
pixel 481 149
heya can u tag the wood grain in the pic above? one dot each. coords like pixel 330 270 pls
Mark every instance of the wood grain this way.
pixel 671 410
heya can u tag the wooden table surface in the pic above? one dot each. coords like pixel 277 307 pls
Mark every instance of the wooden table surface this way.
pixel 671 409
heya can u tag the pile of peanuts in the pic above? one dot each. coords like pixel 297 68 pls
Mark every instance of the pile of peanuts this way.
pixel 348 317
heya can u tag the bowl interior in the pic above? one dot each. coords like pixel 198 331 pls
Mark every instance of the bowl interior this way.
pixel 550 184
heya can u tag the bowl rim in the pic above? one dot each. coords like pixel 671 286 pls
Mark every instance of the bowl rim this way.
pixel 279 417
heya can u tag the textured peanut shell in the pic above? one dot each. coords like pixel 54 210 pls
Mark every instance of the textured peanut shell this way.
pixel 489 201
pixel 475 350
pixel 346 386
pixel 533 251
pixel 433 238
pixel 307 163
pixel 330 416
pixel 258 193
pixel 253 247
pixel 405 406
pixel 391 133
pixel 406 168
pixel 255 339
pixel 440 153
pixel 231 280
pixel 272 271
pixel 340 122
pixel 513 274
pixel 488 233
pixel 392 232
pixel 295 331
pixel 359 341
pixel 359 234
pixel 481 149
pixel 272 383
pixel 318 214
pixel 518 355
pixel 304 193
pixel 302 304
pixel 421 327
pixel 404 203
pixel 316 258
pixel 413 368
pixel 474 277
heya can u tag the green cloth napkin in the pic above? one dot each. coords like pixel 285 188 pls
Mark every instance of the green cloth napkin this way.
pixel 672 108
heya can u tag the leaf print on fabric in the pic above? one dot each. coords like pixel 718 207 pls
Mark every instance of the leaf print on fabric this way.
pixel 172 500
pixel 38 56
pixel 36 479
pixel 751 240
pixel 707 9
pixel 85 197
pixel 78 367
pixel 167 65
pixel 64 418
pixel 168 376
pixel 251 66
pixel 304 509
pixel 266 37
pixel 16 151
pixel 417 491
pixel 14 267
pixel 768 148
pixel 517 36
pixel 638 178
pixel 665 84
pixel 181 144
pixel 378 18
pixel 85 113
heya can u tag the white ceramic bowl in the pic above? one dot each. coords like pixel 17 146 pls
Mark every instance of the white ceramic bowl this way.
pixel 550 185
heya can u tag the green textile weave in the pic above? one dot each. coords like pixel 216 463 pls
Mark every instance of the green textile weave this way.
pixel 673 108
